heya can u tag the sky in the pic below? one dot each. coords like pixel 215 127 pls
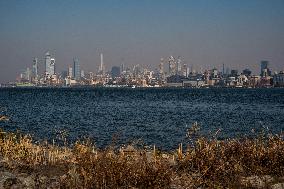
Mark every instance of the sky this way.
pixel 205 33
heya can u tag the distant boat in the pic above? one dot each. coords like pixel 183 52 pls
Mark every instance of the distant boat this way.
pixel 4 118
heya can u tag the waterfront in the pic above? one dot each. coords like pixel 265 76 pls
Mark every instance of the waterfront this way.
pixel 155 116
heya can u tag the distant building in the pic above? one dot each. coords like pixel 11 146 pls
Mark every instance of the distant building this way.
pixel 175 81
pixel 172 66
pixel 231 81
pixel 255 81
pixel 185 70
pixel 242 80
pixel 49 64
pixel 194 81
pixel 122 68
pixel 278 79
pixel 52 66
pixel 246 72
pixel 64 74
pixel 102 66
pixel 178 66
pixel 35 68
pixel 76 69
pixel 215 73
pixel 70 72
pixel 234 73
pixel 264 70
pixel 82 74
pixel 115 71
pixel 161 67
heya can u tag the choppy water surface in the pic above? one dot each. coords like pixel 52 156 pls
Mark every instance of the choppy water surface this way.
pixel 157 116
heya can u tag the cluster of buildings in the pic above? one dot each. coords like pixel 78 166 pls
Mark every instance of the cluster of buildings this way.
pixel 171 72
pixel 229 78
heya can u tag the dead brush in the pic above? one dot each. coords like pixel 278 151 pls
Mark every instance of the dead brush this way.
pixel 21 149
pixel 222 163
pixel 113 169
pixel 209 163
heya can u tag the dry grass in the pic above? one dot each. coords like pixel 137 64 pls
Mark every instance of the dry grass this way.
pixel 223 163
pixel 206 163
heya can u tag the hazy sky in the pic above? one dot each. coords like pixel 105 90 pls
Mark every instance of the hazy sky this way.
pixel 205 34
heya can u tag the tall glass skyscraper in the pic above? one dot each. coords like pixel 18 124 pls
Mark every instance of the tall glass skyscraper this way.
pixel 49 64
pixel 76 69
pixel 47 61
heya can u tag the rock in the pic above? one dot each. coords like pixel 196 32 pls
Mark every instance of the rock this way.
pixel 278 186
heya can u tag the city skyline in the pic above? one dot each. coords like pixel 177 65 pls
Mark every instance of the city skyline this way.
pixel 205 34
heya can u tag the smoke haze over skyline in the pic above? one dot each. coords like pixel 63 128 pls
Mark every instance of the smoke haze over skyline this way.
pixel 204 33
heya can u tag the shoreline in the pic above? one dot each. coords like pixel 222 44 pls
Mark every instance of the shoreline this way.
pixel 248 163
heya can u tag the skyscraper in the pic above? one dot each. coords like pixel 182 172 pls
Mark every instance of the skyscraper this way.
pixel 185 70
pixel 49 64
pixel 263 65
pixel 264 70
pixel 172 66
pixel 52 66
pixel 115 71
pixel 70 72
pixel 102 67
pixel 35 68
pixel 178 66
pixel 76 69
pixel 161 66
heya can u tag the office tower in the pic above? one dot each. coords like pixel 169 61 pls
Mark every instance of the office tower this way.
pixel 178 66
pixel 137 70
pixel 228 71
pixel 28 74
pixel 264 70
pixel 115 71
pixel 263 65
pixel 102 68
pixel 185 70
pixel 35 68
pixel 91 75
pixel 76 69
pixel 172 66
pixel 49 64
pixel 70 72
pixel 161 66
pixel 52 66
pixel 82 74
pixel 215 73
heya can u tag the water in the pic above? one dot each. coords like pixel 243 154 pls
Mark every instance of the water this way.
pixel 154 116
